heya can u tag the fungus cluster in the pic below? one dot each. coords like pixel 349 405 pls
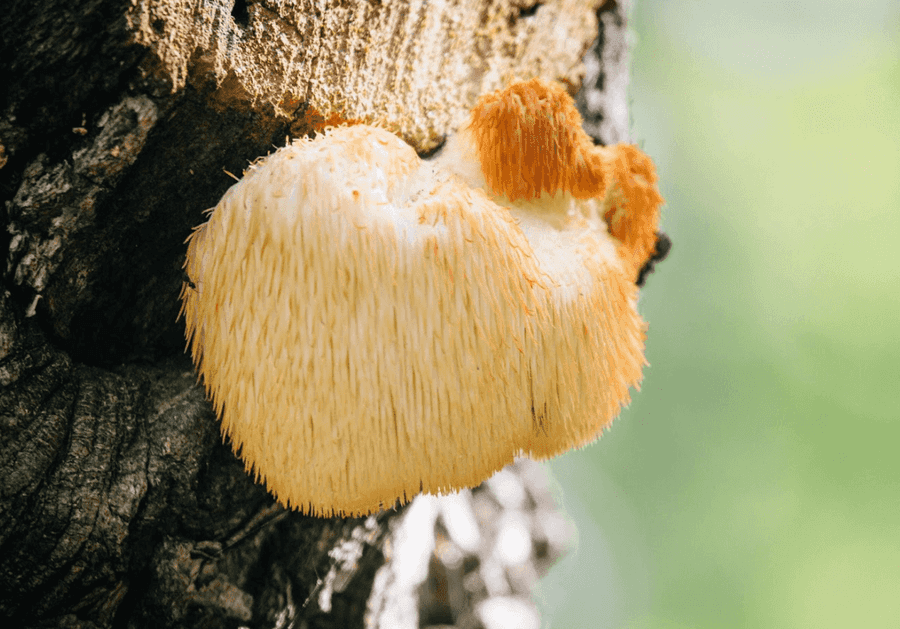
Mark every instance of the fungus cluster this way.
pixel 370 325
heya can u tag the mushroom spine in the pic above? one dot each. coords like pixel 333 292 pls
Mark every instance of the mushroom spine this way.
pixel 369 325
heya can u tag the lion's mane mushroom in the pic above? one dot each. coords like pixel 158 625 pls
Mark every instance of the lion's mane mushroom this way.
pixel 370 325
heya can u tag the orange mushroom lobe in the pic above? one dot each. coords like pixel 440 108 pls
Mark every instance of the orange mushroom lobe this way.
pixel 530 140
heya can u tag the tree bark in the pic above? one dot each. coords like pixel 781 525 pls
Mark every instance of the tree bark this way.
pixel 120 505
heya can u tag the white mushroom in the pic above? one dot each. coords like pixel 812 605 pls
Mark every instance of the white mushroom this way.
pixel 370 325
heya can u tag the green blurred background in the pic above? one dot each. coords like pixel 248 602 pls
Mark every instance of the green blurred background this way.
pixel 755 479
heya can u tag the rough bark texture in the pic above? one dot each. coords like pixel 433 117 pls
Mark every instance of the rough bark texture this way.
pixel 119 503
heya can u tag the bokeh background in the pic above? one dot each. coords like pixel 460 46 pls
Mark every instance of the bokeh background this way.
pixel 755 479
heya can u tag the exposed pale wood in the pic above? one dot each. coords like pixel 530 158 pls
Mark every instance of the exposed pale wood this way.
pixel 416 67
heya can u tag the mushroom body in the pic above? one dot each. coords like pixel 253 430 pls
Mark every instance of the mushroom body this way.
pixel 370 325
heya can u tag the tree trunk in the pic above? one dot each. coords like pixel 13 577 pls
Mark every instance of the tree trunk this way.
pixel 120 505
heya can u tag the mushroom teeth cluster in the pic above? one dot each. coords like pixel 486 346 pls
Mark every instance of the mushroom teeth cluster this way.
pixel 370 325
